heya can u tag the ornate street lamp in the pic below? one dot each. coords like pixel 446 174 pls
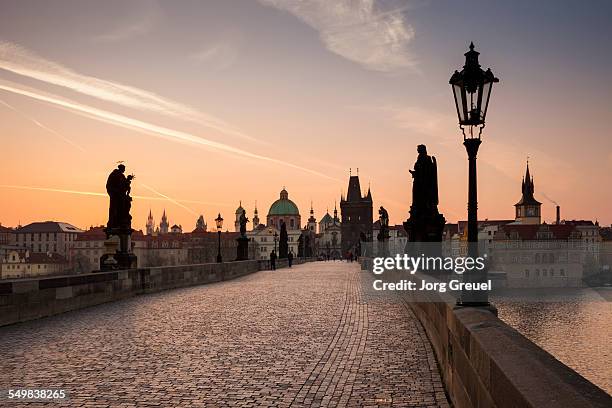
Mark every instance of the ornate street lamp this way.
pixel 219 222
pixel 472 90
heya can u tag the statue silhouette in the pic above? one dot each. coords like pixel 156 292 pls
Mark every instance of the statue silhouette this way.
pixel 118 187
pixel 283 243
pixel 243 222
pixel 425 184
pixel 384 224
pixel 425 223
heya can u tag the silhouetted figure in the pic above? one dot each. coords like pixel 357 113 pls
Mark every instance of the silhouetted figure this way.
pixel 425 183
pixel 290 258
pixel 243 222
pixel 242 249
pixel 383 234
pixel 119 224
pixel 273 260
pixel 118 188
pixel 283 244
pixel 425 225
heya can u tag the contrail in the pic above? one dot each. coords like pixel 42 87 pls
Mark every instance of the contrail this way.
pixel 548 198
pixel 15 58
pixel 37 123
pixel 96 194
pixel 151 129
pixel 168 198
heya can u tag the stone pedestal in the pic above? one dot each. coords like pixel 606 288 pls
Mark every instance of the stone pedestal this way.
pixel 118 254
pixel 424 235
pixel 425 228
pixel 243 249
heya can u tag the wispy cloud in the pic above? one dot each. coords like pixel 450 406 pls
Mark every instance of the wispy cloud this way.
pixel 148 128
pixel 160 196
pixel 421 120
pixel 172 200
pixel 17 59
pixel 218 56
pixel 148 14
pixel 40 125
pixel 362 31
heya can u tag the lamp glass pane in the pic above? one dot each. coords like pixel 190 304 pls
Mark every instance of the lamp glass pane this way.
pixel 459 102
pixel 486 93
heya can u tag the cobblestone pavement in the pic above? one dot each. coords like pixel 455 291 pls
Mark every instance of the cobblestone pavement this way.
pixel 314 335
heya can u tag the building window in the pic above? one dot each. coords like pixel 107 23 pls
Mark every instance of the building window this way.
pixel 292 223
pixel 537 272
pixel 562 272
pixel 526 273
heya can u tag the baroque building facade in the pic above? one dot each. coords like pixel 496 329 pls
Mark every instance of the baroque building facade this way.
pixel 266 237
pixel 329 238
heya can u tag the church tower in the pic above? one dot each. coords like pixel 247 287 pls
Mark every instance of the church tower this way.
pixel 201 224
pixel 357 217
pixel 255 217
pixel 164 225
pixel 150 224
pixel 312 221
pixel 336 219
pixel 528 208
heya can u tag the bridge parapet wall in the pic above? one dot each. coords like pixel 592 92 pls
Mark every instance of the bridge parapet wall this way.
pixel 27 299
pixel 484 362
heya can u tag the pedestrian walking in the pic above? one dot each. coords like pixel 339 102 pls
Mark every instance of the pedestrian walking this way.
pixel 273 260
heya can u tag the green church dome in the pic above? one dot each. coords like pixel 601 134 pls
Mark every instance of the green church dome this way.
pixel 283 206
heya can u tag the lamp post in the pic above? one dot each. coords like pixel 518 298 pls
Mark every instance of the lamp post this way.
pixel 472 91
pixel 275 240
pixel 219 222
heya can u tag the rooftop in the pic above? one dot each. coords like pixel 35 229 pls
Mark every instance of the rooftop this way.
pixel 49 226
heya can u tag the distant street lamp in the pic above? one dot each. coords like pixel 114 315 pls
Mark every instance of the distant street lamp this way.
pixel 472 91
pixel 219 222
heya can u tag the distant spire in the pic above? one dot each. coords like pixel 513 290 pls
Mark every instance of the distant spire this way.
pixel 311 210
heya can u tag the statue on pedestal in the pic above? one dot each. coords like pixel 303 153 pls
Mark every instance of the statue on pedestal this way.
pixel 118 187
pixel 425 223
pixel 243 240
pixel 119 224
pixel 243 220
pixel 383 234
pixel 283 243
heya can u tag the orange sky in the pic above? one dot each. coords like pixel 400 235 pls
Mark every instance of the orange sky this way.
pixel 209 115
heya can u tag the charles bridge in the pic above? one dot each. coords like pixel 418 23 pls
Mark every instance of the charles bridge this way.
pixel 316 334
